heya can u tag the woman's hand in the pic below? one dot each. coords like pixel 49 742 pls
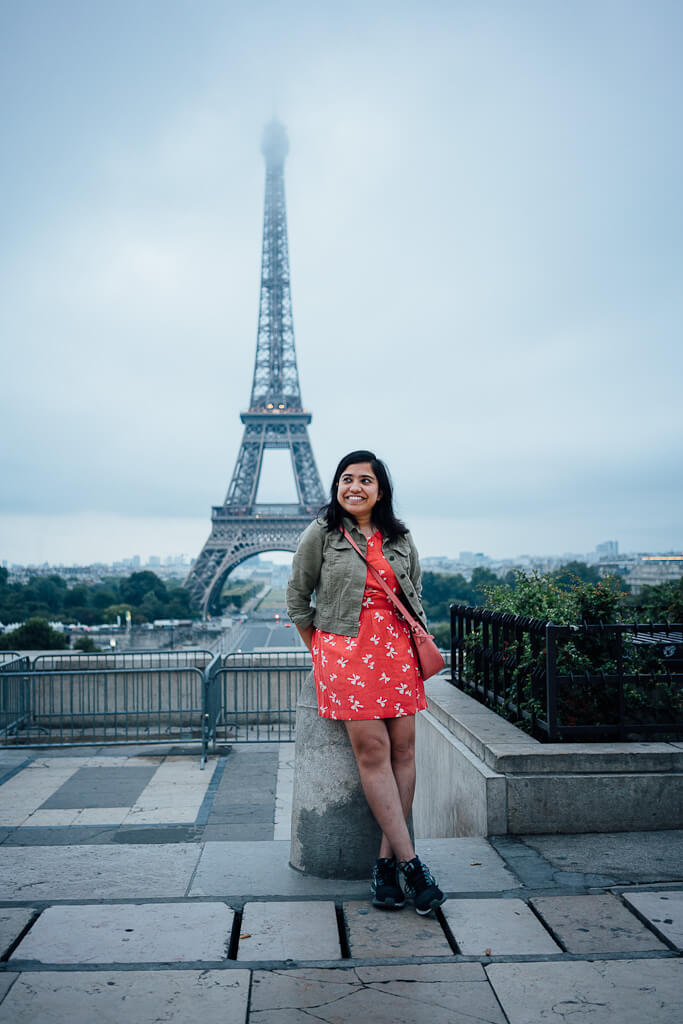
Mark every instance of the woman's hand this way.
pixel 306 634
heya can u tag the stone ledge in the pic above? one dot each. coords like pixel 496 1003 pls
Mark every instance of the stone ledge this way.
pixel 506 749
pixel 480 775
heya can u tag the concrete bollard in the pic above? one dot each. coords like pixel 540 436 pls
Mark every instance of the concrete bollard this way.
pixel 334 834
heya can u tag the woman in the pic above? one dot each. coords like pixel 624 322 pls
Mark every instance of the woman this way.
pixel 366 672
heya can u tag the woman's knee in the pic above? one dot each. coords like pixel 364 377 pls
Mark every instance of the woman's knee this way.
pixel 403 752
pixel 372 751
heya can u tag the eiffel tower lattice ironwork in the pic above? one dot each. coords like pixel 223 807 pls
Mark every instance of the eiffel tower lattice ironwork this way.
pixel 275 418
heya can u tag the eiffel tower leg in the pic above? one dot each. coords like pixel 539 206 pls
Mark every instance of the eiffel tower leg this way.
pixel 234 539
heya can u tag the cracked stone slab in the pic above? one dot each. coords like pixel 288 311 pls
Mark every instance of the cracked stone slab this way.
pixel 13 920
pixel 598 992
pixel 421 994
pixel 96 872
pixel 129 933
pixel 374 932
pixel 596 924
pixel 664 910
pixel 625 857
pixel 6 982
pixel 144 997
pixel 301 930
pixel 497 927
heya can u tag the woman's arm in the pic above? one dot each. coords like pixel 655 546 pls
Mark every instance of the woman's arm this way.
pixel 304 579
pixel 306 634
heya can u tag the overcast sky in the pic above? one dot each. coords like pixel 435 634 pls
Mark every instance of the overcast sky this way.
pixel 485 237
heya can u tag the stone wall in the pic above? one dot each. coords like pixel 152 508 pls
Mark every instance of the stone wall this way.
pixel 479 775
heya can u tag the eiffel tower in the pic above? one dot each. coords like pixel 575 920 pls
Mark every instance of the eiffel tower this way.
pixel 241 527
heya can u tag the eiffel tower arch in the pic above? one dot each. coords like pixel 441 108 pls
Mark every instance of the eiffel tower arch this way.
pixel 241 527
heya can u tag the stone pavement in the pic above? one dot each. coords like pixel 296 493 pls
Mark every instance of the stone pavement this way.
pixel 134 886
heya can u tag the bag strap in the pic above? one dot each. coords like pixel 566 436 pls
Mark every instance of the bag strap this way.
pixel 410 619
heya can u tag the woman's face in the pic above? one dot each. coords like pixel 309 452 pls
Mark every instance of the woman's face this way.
pixel 358 491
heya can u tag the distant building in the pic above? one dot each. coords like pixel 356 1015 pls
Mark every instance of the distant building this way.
pixel 609 549
pixel 653 570
pixel 472 559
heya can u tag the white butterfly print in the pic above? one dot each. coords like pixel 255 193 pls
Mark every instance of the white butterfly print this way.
pixel 367 658
pixel 355 704
pixel 382 701
pixel 374 639
pixel 343 662
pixel 384 678
pixel 399 710
pixel 391 650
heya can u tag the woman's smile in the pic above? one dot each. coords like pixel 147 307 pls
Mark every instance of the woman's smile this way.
pixel 358 491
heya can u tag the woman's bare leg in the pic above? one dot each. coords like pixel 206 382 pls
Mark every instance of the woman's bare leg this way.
pixel 372 746
pixel 402 739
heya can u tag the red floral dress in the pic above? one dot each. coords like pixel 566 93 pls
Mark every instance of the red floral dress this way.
pixel 374 674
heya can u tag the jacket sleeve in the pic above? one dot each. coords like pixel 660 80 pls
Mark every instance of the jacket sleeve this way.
pixel 305 574
pixel 415 569
pixel 415 573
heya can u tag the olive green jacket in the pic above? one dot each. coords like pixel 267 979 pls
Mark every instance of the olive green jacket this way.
pixel 327 565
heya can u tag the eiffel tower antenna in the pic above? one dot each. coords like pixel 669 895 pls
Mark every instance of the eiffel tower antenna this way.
pixel 241 527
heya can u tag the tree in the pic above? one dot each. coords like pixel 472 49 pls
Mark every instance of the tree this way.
pixel 85 643
pixel 135 586
pixel 567 575
pixel 35 635
pixel 482 579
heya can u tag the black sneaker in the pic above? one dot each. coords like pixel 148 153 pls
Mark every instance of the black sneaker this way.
pixel 421 885
pixel 385 886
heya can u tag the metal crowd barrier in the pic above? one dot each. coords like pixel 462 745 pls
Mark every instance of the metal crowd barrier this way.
pixel 70 698
pixel 14 692
pixel 101 706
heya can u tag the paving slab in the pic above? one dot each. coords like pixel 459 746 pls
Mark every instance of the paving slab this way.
pixel 301 930
pixel 596 924
pixel 96 872
pixel 142 997
pixel 497 927
pixel 600 992
pixel 466 865
pixel 663 909
pixel 422 994
pixel 227 831
pixel 13 920
pixel 95 786
pixel 6 982
pixel 626 857
pixel 129 933
pixel 229 870
pixel 373 932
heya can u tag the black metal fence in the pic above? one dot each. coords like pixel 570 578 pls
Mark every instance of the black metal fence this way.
pixel 589 682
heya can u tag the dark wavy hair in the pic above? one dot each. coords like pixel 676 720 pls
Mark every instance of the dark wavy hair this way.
pixel 383 515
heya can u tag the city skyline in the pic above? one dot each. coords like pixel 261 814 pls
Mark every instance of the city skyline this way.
pixel 486 262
